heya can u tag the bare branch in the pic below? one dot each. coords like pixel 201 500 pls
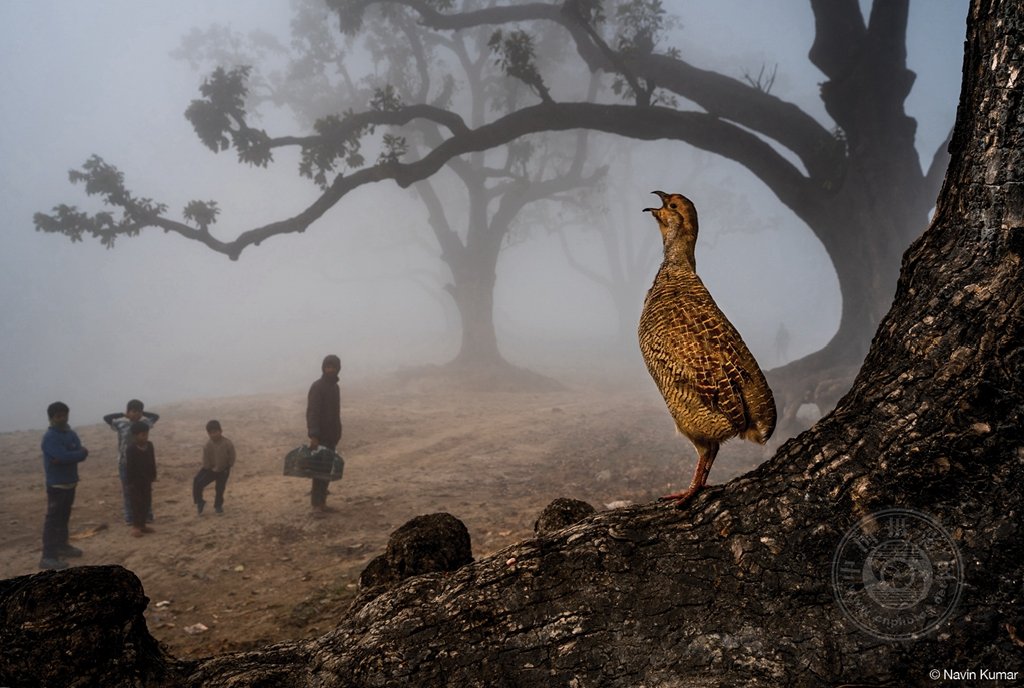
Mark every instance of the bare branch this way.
pixel 762 82
pixel 695 128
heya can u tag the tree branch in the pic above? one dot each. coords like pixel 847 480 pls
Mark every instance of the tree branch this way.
pixel 652 123
pixel 838 34
pixel 434 19
pixel 698 129
pixel 722 96
pixel 355 123
pixel 856 58
pixel 731 99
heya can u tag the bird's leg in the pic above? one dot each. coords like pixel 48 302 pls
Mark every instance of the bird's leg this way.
pixel 705 457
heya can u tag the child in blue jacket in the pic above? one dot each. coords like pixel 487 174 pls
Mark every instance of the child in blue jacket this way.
pixel 62 452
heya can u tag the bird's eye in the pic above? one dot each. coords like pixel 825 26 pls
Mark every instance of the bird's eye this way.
pixel 672 206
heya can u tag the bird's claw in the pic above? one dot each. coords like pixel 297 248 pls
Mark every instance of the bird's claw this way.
pixel 681 499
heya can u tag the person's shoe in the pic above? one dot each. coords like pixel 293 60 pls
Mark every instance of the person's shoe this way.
pixel 219 509
pixel 69 552
pixel 199 507
pixel 136 532
pixel 52 564
pixel 147 529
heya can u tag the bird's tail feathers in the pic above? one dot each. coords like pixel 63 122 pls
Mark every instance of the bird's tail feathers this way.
pixel 759 432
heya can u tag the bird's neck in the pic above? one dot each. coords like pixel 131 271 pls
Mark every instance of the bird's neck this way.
pixel 681 252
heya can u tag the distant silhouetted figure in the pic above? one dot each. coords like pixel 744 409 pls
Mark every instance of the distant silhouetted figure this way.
pixel 323 421
pixel 712 385
pixel 782 343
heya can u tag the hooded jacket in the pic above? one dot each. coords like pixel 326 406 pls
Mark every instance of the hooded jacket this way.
pixel 323 408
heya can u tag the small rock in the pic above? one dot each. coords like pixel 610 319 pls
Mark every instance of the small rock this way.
pixel 196 629
pixel 425 544
pixel 561 513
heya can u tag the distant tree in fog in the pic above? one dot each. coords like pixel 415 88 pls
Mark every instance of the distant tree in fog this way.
pixel 473 221
pixel 859 185
pixel 470 207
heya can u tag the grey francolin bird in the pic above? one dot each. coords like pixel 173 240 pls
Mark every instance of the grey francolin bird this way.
pixel 712 385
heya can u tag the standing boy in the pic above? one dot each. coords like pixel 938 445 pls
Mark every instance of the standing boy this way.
pixel 62 452
pixel 139 474
pixel 218 458
pixel 122 423
pixel 323 421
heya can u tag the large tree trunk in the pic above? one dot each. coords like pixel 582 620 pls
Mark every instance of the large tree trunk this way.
pixel 473 264
pixel 877 204
pixel 472 290
pixel 799 573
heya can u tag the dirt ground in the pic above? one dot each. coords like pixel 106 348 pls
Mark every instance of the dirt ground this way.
pixel 268 569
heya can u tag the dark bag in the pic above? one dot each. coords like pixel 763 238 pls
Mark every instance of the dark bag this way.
pixel 321 463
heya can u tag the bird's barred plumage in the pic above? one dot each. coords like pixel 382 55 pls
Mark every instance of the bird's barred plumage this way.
pixel 712 385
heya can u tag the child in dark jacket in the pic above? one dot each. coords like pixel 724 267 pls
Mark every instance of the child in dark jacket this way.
pixel 121 423
pixel 62 452
pixel 140 472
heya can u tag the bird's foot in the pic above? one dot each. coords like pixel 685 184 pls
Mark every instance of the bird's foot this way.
pixel 681 499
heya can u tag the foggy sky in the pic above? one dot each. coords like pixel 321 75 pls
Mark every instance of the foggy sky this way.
pixel 163 318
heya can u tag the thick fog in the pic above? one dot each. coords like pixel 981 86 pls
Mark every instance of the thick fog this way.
pixel 163 318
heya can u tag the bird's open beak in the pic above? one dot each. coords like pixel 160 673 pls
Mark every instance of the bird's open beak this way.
pixel 662 195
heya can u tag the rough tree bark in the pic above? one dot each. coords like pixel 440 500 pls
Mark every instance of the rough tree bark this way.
pixel 84 629
pixel 736 589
